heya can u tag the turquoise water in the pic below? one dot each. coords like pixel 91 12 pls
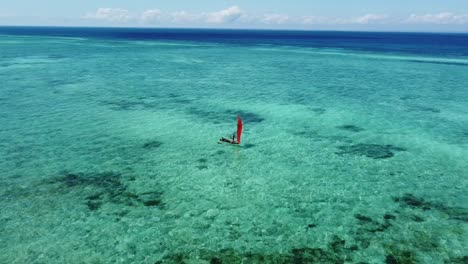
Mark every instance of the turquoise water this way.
pixel 109 153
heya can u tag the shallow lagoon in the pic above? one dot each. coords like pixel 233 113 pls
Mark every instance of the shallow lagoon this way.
pixel 109 153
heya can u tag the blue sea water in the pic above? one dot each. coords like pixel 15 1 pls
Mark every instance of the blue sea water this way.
pixel 354 150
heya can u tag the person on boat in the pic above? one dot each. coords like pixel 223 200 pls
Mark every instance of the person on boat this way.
pixel 236 137
pixel 230 141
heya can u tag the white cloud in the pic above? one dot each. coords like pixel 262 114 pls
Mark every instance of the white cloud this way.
pixel 316 20
pixel 237 16
pixel 228 15
pixel 441 18
pixel 184 17
pixel 365 19
pixel 275 19
pixel 152 15
pixel 110 14
pixel 370 18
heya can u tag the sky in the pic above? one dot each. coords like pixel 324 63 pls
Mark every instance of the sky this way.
pixel 367 15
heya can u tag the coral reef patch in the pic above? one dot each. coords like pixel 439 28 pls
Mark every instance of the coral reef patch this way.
pixel 350 128
pixel 453 212
pixel 334 252
pixel 106 187
pixel 373 151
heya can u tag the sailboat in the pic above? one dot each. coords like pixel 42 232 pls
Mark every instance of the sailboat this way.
pixel 235 140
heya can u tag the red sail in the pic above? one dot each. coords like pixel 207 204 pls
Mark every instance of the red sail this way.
pixel 239 129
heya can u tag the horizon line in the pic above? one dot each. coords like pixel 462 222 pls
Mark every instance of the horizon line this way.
pixel 244 29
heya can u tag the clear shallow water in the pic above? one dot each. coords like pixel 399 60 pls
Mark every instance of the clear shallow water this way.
pixel 354 150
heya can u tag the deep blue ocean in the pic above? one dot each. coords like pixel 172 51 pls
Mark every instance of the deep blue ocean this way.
pixel 449 44
pixel 355 146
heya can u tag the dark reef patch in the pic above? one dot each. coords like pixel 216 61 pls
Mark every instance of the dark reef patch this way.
pixel 299 133
pixel 372 226
pixel 225 116
pixel 409 97
pixel 215 260
pixel 202 164
pixel 374 151
pixel 249 145
pixel 457 260
pixel 417 218
pixel 425 109
pixel 93 205
pixel 307 134
pixel 219 153
pixel 147 102
pixel 318 110
pixel 389 217
pixel 106 187
pixel 108 180
pixel 410 200
pixel 126 105
pixel 363 218
pixel 247 117
pixel 354 248
pixel 152 203
pixel 390 259
pixel 152 144
pixel 150 198
pixel 350 128
pixel 400 257
pixel 172 95
pixel 123 105
pixel 454 213
pixel 313 255
pixel 334 252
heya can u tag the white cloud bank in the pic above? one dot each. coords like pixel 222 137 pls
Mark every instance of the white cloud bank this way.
pixel 155 16
pixel 229 15
pixel 371 18
pixel 110 14
pixel 151 16
pixel 235 16
pixel 361 20
pixel 275 19
pixel 441 18
pixel 183 17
